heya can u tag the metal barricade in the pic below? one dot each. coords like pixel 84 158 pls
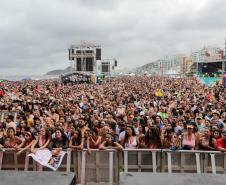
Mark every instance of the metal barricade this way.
pixel 105 165
pixel 149 164
pixel 200 158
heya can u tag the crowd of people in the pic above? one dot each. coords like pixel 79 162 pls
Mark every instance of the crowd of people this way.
pixel 129 112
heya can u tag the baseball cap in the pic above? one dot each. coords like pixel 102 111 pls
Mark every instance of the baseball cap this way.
pixel 216 112
pixel 142 113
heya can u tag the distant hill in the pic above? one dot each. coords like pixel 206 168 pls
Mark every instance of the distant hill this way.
pixel 59 71
pixel 145 67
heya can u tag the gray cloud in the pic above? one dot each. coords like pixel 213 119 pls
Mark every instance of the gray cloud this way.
pixel 35 34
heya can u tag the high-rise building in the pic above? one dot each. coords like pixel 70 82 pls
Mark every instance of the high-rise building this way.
pixel 206 54
pixel 168 65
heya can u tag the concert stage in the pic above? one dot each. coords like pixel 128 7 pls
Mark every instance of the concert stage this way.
pixel 36 178
pixel 171 179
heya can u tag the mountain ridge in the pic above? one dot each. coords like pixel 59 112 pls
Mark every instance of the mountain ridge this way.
pixel 59 71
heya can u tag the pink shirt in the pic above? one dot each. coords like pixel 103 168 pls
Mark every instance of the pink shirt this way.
pixel 188 142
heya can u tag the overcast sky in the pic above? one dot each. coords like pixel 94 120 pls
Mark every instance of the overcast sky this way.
pixel 35 34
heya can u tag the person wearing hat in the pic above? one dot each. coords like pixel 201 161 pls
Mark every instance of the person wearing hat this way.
pixel 142 113
pixel 221 143
pixel 215 116
pixel 199 123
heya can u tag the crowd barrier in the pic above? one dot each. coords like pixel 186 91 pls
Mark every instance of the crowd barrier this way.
pixel 105 165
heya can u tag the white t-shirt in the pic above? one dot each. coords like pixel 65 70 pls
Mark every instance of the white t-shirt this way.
pixel 122 135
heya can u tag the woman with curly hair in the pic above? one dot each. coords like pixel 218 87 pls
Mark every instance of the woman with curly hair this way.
pixel 60 141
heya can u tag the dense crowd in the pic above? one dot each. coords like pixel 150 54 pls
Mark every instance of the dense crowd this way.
pixel 129 112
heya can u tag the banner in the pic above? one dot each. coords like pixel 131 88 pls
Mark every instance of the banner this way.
pixel 209 81
pixel 45 158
